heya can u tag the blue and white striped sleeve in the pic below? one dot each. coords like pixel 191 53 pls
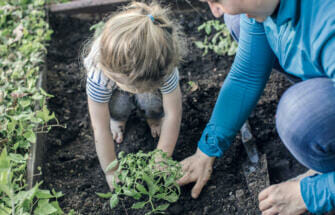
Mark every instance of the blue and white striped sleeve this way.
pixel 171 82
pixel 98 86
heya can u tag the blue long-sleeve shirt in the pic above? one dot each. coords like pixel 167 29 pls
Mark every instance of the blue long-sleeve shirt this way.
pixel 302 36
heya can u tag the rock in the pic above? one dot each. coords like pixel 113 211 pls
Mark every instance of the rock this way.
pixel 239 195
pixel 206 210
pixel 231 198
pixel 213 187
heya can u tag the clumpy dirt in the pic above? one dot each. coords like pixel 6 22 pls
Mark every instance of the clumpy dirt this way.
pixel 71 164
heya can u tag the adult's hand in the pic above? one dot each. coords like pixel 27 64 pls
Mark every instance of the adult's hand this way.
pixel 284 199
pixel 197 168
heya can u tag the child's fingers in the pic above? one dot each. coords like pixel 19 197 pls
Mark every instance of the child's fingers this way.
pixel 158 132
pixel 114 135
pixel 119 137
pixel 153 133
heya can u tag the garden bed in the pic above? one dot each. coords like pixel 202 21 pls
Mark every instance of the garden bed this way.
pixel 24 117
pixel 71 163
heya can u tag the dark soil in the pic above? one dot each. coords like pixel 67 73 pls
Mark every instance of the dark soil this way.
pixel 71 164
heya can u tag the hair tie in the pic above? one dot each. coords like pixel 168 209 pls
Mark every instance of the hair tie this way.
pixel 151 17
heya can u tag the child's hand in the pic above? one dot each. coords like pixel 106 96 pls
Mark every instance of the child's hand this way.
pixel 111 174
pixel 155 126
pixel 117 129
pixel 159 162
pixel 110 178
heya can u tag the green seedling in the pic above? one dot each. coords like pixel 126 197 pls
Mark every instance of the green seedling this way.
pixel 97 28
pixel 217 38
pixel 24 33
pixel 149 178
pixel 193 86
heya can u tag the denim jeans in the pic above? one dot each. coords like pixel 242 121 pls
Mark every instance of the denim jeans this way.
pixel 122 104
pixel 305 121
pixel 305 117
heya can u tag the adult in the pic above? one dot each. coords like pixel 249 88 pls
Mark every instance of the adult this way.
pixel 301 35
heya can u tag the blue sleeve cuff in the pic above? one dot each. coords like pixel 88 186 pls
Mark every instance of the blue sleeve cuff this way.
pixel 318 192
pixel 212 142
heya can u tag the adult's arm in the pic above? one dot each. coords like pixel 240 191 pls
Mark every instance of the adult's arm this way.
pixel 238 96
pixel 327 55
pixel 241 89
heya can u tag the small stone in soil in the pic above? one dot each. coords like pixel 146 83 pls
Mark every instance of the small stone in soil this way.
pixel 239 195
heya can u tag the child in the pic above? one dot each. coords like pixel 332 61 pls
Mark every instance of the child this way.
pixel 133 63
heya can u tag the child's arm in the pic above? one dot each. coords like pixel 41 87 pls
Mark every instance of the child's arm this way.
pixel 172 106
pixel 103 139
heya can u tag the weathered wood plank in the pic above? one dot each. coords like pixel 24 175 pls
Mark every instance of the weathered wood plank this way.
pixel 101 6
pixel 37 150
pixel 86 6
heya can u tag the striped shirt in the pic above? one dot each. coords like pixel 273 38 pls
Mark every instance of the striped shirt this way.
pixel 100 88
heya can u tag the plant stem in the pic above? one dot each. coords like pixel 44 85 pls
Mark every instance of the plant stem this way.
pixel 152 204
pixel 125 210
pixel 13 204
pixel 4 140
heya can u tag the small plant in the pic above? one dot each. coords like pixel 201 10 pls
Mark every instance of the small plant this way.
pixel 24 33
pixel 15 199
pixel 193 86
pixel 149 178
pixel 56 1
pixel 219 41
pixel 97 28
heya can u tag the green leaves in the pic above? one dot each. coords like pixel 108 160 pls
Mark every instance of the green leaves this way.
pixel 114 200
pixel 44 208
pixel 97 28
pixel 148 178
pixel 131 193
pixel 138 205
pixel 45 115
pixel 172 197
pixel 4 161
pixel 23 37
pixel 112 165
pixel 150 183
pixel 43 194
pixel 12 193
pixel 162 207
pixel 105 195
pixel 217 38
pixel 30 136
pixel 141 189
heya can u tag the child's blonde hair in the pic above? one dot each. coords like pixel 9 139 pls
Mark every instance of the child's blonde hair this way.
pixel 140 46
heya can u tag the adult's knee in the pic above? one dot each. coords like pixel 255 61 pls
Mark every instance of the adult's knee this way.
pixel 305 121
